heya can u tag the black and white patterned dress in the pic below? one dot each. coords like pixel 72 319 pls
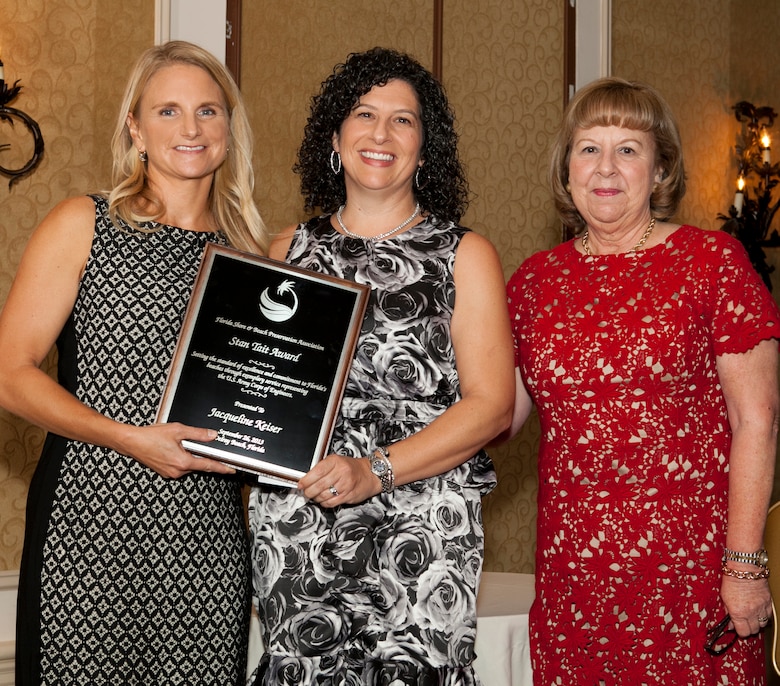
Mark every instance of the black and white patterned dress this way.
pixel 128 577
pixel 383 592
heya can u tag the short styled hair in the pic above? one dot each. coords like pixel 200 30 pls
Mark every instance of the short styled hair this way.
pixel 613 101
pixel 441 189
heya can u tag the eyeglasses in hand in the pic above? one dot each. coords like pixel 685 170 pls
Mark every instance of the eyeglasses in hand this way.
pixel 720 638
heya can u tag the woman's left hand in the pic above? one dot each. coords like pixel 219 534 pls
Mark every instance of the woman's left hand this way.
pixel 747 602
pixel 339 480
pixel 749 383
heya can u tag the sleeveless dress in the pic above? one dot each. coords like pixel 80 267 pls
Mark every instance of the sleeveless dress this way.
pixel 619 355
pixel 128 577
pixel 383 592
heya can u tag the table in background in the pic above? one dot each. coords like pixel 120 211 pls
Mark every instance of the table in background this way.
pixel 502 646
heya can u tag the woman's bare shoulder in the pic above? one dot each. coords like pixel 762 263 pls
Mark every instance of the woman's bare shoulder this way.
pixel 70 219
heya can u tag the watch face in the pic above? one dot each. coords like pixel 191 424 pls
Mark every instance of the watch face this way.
pixel 378 467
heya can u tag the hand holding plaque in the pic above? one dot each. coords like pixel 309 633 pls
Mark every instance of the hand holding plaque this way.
pixel 263 357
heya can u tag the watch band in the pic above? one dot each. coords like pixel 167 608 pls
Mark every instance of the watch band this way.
pixel 758 558
pixel 383 468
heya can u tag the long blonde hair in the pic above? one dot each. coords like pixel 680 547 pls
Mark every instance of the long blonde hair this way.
pixel 230 200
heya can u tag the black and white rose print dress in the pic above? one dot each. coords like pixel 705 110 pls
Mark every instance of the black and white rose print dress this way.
pixel 383 592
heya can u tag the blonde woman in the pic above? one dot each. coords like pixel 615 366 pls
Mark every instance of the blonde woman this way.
pixel 134 568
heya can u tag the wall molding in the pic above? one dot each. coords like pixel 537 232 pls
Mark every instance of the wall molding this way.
pixel 588 43
pixel 9 584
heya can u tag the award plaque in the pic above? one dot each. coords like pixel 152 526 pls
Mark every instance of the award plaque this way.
pixel 263 358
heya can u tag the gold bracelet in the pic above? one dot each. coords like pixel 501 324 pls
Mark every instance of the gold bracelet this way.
pixel 752 576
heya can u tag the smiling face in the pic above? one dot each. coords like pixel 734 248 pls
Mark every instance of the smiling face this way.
pixel 182 123
pixel 611 174
pixel 381 138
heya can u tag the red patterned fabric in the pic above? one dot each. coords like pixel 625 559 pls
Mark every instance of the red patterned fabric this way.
pixel 619 355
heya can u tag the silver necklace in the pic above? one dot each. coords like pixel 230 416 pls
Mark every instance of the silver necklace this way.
pixel 642 241
pixel 402 225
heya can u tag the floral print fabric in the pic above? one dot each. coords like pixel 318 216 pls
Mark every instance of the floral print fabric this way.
pixel 383 592
pixel 619 355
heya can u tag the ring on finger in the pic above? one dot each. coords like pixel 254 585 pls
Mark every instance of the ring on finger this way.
pixel 763 620
pixel 333 491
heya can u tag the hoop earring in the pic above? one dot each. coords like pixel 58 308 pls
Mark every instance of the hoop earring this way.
pixel 142 155
pixel 335 166
pixel 417 183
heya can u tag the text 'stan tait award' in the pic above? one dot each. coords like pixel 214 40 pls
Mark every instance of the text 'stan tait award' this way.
pixel 263 357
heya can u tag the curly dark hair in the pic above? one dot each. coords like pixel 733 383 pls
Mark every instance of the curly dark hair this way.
pixel 442 190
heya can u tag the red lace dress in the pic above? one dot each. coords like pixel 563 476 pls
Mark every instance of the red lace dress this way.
pixel 618 353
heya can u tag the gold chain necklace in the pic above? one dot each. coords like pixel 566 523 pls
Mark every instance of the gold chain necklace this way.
pixel 402 225
pixel 642 241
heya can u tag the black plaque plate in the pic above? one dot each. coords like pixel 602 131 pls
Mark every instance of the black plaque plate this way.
pixel 263 357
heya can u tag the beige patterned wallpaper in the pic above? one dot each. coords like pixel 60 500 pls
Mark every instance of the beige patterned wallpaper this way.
pixel 503 71
pixel 71 57
pixel 754 74
pixel 704 56
pixel 682 49
pixel 288 49
pixel 755 77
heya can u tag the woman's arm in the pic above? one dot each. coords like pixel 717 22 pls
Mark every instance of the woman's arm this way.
pixel 38 305
pixel 749 382
pixel 482 341
pixel 523 407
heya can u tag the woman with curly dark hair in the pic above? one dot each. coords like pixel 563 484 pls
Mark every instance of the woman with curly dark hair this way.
pixel 447 198
pixel 368 572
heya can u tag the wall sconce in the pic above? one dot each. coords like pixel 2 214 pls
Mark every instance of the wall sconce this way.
pixel 8 114
pixel 751 215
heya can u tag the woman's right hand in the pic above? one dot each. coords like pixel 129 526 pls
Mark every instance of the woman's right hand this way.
pixel 159 447
pixel 38 305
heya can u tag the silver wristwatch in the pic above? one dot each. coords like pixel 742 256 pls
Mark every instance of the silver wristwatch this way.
pixel 382 467
pixel 759 558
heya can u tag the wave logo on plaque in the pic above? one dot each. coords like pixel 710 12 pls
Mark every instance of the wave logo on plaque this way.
pixel 283 309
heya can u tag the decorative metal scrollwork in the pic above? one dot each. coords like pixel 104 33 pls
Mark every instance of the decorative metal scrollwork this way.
pixel 7 115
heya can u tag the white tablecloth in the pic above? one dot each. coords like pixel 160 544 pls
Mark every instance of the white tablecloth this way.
pixel 503 651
